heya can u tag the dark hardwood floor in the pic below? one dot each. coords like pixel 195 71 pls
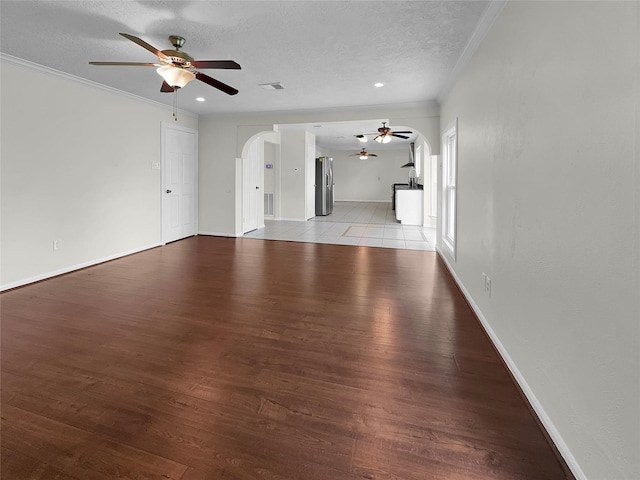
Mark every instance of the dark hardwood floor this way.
pixel 222 358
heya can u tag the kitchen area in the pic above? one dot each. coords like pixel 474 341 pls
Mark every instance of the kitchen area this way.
pixel 407 199
pixel 402 176
pixel 378 200
pixel 398 172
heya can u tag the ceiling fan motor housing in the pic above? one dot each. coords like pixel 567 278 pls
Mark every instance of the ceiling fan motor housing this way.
pixel 178 58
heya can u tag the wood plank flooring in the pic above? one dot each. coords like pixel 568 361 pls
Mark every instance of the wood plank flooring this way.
pixel 223 358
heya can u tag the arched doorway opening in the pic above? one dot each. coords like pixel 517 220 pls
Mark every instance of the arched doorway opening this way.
pixel 258 153
pixel 281 173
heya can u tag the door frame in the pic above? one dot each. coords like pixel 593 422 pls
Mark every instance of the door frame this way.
pixel 164 127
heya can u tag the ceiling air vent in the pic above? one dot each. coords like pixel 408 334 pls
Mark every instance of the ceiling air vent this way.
pixel 272 86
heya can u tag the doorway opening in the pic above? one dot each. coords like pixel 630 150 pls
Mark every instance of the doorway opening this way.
pixel 288 181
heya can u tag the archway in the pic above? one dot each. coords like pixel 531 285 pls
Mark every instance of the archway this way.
pixel 268 149
pixel 251 168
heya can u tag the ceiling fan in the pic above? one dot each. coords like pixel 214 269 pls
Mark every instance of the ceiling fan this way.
pixel 384 134
pixel 363 155
pixel 177 68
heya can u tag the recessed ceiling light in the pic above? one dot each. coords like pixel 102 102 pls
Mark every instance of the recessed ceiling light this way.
pixel 378 85
pixel 200 99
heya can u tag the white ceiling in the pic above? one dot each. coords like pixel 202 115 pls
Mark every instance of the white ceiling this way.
pixel 327 54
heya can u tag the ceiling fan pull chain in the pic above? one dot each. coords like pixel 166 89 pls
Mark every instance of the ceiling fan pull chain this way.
pixel 175 104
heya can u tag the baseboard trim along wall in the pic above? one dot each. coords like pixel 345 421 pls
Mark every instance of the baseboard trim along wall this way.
pixel 385 200
pixel 285 219
pixel 80 266
pixel 544 419
pixel 220 234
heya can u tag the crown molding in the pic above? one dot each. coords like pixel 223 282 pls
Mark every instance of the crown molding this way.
pixel 57 73
pixel 488 17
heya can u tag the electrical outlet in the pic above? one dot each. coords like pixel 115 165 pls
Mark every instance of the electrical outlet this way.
pixel 487 284
pixel 56 245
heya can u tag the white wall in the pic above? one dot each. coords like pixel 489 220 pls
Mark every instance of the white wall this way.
pixel 548 207
pixel 76 167
pixel 369 180
pixel 310 175
pixel 293 167
pixel 217 171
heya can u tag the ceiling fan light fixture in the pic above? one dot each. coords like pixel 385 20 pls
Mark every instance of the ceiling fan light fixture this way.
pixel 362 138
pixel 363 154
pixel 176 77
pixel 386 139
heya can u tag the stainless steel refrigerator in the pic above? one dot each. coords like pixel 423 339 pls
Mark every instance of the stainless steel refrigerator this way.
pixel 324 185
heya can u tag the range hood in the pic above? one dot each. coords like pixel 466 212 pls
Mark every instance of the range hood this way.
pixel 411 161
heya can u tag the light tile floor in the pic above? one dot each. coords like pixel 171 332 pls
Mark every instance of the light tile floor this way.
pixel 370 224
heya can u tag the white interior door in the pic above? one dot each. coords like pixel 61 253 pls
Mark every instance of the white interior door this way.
pixel 179 182
pixel 250 189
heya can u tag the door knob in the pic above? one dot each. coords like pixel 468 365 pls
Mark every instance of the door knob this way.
pixel 168 191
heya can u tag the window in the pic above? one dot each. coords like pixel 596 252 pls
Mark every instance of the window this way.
pixel 434 186
pixel 449 174
pixel 418 161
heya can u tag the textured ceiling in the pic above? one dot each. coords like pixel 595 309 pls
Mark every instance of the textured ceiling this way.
pixel 326 53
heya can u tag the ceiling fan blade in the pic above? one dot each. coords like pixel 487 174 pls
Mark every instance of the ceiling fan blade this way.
pixel 372 154
pixel 228 64
pixel 127 64
pixel 145 45
pixel 399 136
pixel 216 83
pixel 166 88
pixel 401 132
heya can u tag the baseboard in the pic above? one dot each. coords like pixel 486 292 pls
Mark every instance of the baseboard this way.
pixel 80 266
pixel 219 234
pixel 285 219
pixel 386 200
pixel 536 406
